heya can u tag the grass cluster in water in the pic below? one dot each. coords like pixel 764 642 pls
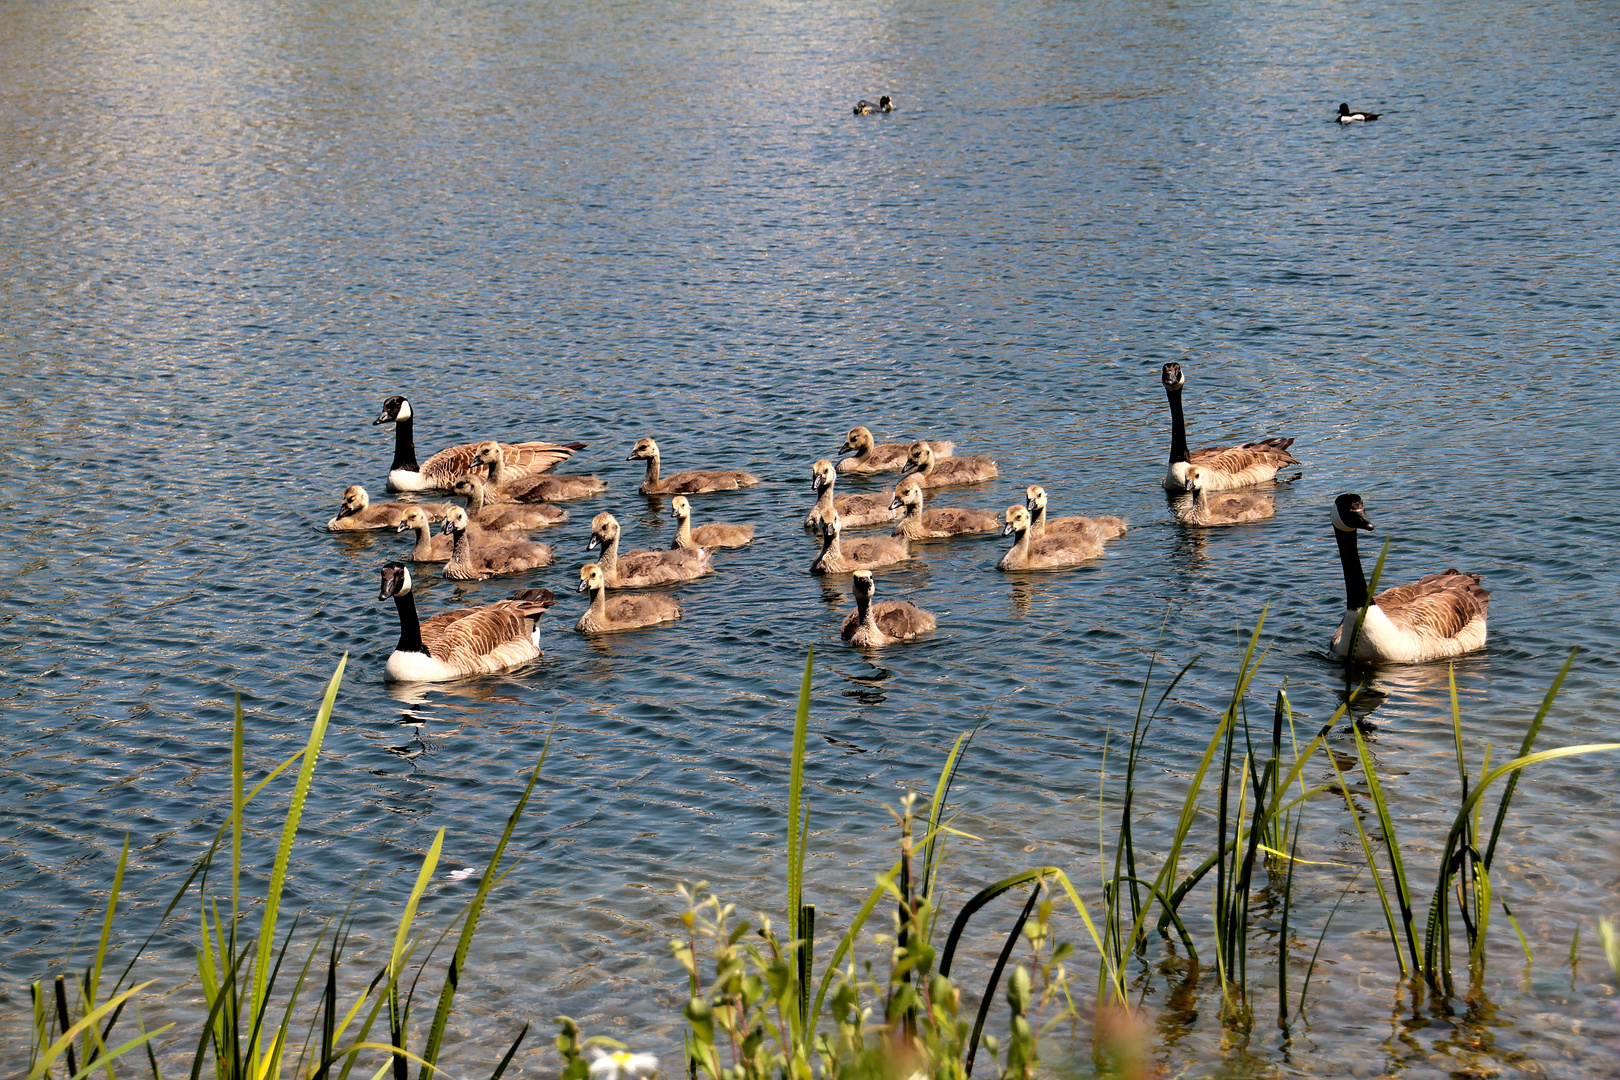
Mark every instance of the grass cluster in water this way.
pixel 759 1005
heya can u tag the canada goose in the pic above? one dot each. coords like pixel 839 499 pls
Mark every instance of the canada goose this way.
pixel 1438 615
pixel 871 625
pixel 639 568
pixel 692 482
pixel 940 522
pixel 626 611
pixel 506 517
pixel 866 108
pixel 505 485
pixel 429 548
pixel 856 511
pixel 1348 117
pixel 933 471
pixel 1206 509
pixel 716 534
pixel 359 513
pixel 1051 552
pixel 441 470
pixel 470 641
pixel 474 559
pixel 869 554
pixel 1105 527
pixel 1225 467
pixel 874 457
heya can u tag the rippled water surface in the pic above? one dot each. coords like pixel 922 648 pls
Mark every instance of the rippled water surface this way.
pixel 228 232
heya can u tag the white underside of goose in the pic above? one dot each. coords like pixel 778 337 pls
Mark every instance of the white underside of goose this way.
pixel 406 480
pixel 1382 638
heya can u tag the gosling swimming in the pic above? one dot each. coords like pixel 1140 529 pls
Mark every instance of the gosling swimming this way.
pixel 933 471
pixel 640 568
pixel 870 456
pixel 691 482
pixel 869 554
pixel 940 522
pixel 716 534
pixel 1048 553
pixel 856 511
pixel 871 626
pixel 627 611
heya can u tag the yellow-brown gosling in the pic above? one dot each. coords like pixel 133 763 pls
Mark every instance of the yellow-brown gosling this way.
pixel 358 513
pixel 504 485
pixel 474 558
pixel 1106 527
pixel 627 611
pixel 640 568
pixel 938 522
pixel 1047 553
pixel 871 625
pixel 691 482
pixel 716 534
pixel 870 456
pixel 857 511
pixel 1206 509
pixel 869 554
pixel 933 471
pixel 510 517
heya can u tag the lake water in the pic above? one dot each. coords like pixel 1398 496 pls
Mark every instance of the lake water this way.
pixel 228 232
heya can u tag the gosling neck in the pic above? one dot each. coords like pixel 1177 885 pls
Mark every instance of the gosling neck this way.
pixel 1037 520
pixel 651 480
pixel 683 534
pixel 423 551
pixel 475 497
pixel 863 608
pixel 496 472
pixel 1020 547
pixel 405 446
pixel 1355 579
pixel 410 628
pixel 609 560
pixel 599 600
pixel 461 550
pixel 1178 426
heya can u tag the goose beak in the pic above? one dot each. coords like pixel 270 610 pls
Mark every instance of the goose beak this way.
pixel 595 542
pixel 1007 529
pixel 382 418
pixel 581 587
pixel 896 504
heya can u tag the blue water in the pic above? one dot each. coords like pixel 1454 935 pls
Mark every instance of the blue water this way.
pixel 227 234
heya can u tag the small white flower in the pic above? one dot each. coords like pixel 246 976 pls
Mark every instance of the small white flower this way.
pixel 622 1065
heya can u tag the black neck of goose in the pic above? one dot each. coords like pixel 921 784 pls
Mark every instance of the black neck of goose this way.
pixel 410 629
pixel 404 446
pixel 1355 581
pixel 1178 426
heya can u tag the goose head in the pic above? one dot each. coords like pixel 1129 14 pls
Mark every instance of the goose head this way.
pixel 455 521
pixel 681 508
pixel 396 581
pixel 394 410
pixel 822 475
pixel 415 518
pixel 1349 515
pixel 590 578
pixel 644 448
pixel 1017 521
pixel 1035 499
pixel 1172 377
pixel 604 530
pixel 858 441
pixel 355 500
pixel 920 458
pixel 908 494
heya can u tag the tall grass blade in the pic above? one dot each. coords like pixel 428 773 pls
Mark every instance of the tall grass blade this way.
pixel 63 1046
pixel 1524 749
pixel 995 979
pixel 511 1051
pixel 795 837
pixel 1392 847
pixel 396 960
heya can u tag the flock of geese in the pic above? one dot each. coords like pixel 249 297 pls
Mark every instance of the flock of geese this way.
pixel 509 490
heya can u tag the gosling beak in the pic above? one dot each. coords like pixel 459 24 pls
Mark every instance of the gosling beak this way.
pixel 581 587
pixel 401 527
pixel 896 504
pixel 1007 529
pixel 846 448
pixel 595 542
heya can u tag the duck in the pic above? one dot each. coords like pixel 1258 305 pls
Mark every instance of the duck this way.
pixel 474 558
pixel 933 471
pixel 640 568
pixel 627 611
pixel 1348 117
pixel 871 625
pixel 857 511
pixel 1105 527
pixel 869 554
pixel 940 522
pixel 507 486
pixel 1226 467
pixel 1234 509
pixel 469 641
pixel 512 517
pixel 692 482
pixel 1436 616
pixel 358 513
pixel 871 456
pixel 866 108
pixel 1051 552
pixel 716 534
pixel 441 470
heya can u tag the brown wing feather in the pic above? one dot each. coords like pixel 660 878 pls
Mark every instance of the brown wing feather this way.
pixel 902 619
pixel 955 519
pixel 1441 603
pixel 465 638
pixel 517 459
pixel 1235 459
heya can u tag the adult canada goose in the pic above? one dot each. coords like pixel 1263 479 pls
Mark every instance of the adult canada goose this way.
pixel 505 518
pixel 692 482
pixel 870 554
pixel 871 625
pixel 1051 552
pixel 716 534
pixel 359 513
pixel 1206 509
pixel 1225 467
pixel 506 486
pixel 857 511
pixel 940 522
pixel 474 559
pixel 429 548
pixel 441 470
pixel 636 569
pixel 1439 615
pixel 470 641
pixel 933 471
pixel 874 457
pixel 866 108
pixel 627 611
pixel 1103 527
pixel 1348 117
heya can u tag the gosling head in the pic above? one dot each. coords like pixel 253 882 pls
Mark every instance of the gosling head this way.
pixel 467 486
pixel 831 524
pixel 680 507
pixel 908 494
pixel 604 530
pixel 590 578
pixel 396 580
pixel 395 409
pixel 455 521
pixel 644 448
pixel 1172 377
pixel 415 518
pixel 1194 480
pixel 1017 521
pixel 1035 498
pixel 863 584
pixel 920 458
pixel 488 453
pixel 822 476
pixel 1349 515
pixel 858 441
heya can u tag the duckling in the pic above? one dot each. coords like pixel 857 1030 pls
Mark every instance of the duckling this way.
pixel 506 485
pixel 627 611
pixel 506 518
pixel 866 108
pixel 1103 528
pixel 1204 509
pixel 488 557
pixel 469 641
pixel 635 569
pixel 441 470
pixel 874 457
pixel 1047 553
pixel 716 534
pixel 692 482
pixel 358 513
pixel 1348 117
pixel 933 471
pixel 870 554
pixel 872 625
pixel 856 511
pixel 940 522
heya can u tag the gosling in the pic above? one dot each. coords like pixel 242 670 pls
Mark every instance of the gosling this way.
pixel 857 511
pixel 871 625
pixel 487 559
pixel 637 569
pixel 1204 509
pixel 358 513
pixel 874 457
pixel 1049 552
pixel 933 471
pixel 838 558
pixel 516 517
pixel 716 534
pixel 692 482
pixel 1103 528
pixel 628 611
pixel 938 523
pixel 513 486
